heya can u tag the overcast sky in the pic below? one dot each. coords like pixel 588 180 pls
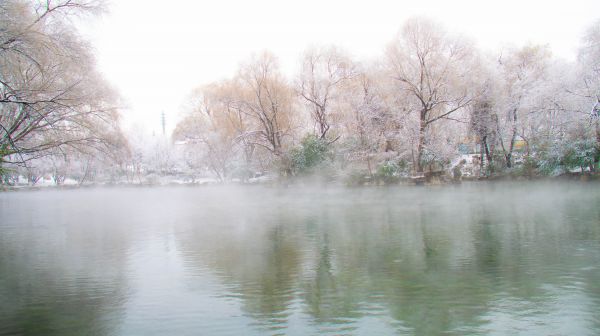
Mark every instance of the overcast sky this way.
pixel 156 52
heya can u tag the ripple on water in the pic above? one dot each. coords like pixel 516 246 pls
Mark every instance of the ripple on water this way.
pixel 363 262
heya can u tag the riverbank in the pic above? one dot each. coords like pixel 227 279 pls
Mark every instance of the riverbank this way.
pixel 426 180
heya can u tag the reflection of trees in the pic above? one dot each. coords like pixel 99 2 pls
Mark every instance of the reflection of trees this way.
pixel 327 263
pixel 256 255
pixel 269 288
pixel 61 268
pixel 441 266
pixel 398 261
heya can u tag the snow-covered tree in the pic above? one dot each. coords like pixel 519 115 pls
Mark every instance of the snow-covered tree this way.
pixel 323 73
pixel 429 69
pixel 51 96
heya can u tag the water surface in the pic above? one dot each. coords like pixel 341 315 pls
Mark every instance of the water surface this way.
pixel 474 259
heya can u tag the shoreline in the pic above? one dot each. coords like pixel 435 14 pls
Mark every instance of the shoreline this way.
pixel 308 181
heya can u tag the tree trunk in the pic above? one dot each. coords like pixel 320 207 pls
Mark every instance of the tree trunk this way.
pixel 421 144
pixel 85 175
pixel 482 150
pixel 597 158
pixel 513 137
pixel 490 159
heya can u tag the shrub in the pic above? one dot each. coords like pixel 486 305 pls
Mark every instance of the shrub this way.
pixel 312 153
pixel 528 167
pixel 390 171
pixel 561 157
pixel 356 177
pixel 580 153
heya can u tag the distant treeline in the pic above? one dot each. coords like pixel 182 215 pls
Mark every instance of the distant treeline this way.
pixel 431 97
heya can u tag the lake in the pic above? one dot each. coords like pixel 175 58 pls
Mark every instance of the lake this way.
pixel 471 259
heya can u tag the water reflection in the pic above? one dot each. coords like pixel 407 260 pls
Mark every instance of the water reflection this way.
pixel 59 276
pixel 475 259
pixel 444 266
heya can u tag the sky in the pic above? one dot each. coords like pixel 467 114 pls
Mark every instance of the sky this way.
pixel 156 52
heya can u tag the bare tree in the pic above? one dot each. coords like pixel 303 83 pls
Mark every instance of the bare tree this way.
pixel 51 97
pixel 483 123
pixel 589 61
pixel 211 128
pixel 267 99
pixel 367 124
pixel 430 69
pixel 322 74
pixel 522 72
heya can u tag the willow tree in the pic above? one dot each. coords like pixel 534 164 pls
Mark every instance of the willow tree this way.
pixel 430 69
pixel 267 99
pixel 232 119
pixel 51 97
pixel 213 129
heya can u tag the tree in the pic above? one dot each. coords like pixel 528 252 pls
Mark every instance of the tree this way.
pixel 483 118
pixel 322 74
pixel 230 120
pixel 430 70
pixel 589 61
pixel 267 99
pixel 212 128
pixel 369 129
pixel 51 96
pixel 523 72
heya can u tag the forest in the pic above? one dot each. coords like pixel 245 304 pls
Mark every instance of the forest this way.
pixel 432 104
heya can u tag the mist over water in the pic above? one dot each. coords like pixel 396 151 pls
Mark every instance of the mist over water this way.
pixel 477 259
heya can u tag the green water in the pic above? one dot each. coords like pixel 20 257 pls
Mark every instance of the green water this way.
pixel 474 259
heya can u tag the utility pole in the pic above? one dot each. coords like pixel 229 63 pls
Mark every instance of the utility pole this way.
pixel 163 121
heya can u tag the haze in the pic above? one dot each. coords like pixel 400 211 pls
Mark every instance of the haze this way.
pixel 156 53
pixel 473 260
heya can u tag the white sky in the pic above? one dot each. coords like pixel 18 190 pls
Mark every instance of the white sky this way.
pixel 156 52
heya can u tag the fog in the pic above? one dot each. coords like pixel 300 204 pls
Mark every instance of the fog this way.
pixel 208 40
pixel 475 258
pixel 339 168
